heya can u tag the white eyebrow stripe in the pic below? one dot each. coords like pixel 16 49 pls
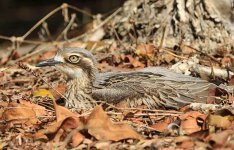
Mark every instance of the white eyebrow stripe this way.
pixel 58 58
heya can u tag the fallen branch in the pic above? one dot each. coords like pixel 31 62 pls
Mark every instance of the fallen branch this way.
pixel 192 64
pixel 204 107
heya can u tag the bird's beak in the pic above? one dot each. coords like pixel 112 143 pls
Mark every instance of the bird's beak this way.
pixel 49 62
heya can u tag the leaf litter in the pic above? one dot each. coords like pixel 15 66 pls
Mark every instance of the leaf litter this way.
pixel 31 118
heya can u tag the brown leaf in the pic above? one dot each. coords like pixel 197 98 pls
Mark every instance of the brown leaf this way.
pixel 226 61
pixel 100 126
pixel 187 144
pixel 168 57
pixel 220 139
pixel 58 135
pixel 62 126
pixel 145 50
pixel 184 142
pixel 1 74
pixel 60 88
pixel 2 105
pixel 231 81
pixel 135 61
pixel 48 129
pixel 77 138
pixel 104 66
pixel 39 110
pixel 71 123
pixel 220 121
pixel 161 126
pixel 223 118
pixel 187 50
pixel 40 136
pixel 66 121
pixel 189 122
pixel 19 114
pixel 62 113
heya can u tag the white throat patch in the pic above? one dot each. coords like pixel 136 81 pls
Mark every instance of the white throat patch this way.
pixel 72 73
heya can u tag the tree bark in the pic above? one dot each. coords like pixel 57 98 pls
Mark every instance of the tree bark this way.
pixel 202 24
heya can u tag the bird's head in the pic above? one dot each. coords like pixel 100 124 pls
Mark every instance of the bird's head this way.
pixel 74 62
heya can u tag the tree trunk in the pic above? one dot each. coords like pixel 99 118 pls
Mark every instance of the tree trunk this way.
pixel 202 24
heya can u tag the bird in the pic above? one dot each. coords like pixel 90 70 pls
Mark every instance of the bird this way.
pixel 154 87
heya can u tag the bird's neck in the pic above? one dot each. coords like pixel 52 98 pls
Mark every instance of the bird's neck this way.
pixel 83 83
pixel 78 93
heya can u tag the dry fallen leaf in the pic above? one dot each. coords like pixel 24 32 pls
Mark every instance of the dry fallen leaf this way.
pixel 16 113
pixel 186 50
pixel 145 50
pixel 100 126
pixel 39 110
pixel 161 126
pixel 59 88
pixel 189 122
pixel 62 126
pixel 135 61
pixel 62 113
pixel 184 142
pixel 43 93
pixel 220 121
pixel 223 118
pixel 66 121
pixel 2 105
pixel 168 57
pixel 220 139
pixel 58 135
pixel 77 138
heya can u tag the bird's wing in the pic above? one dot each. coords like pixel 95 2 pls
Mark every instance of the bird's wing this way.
pixel 119 91
pixel 155 86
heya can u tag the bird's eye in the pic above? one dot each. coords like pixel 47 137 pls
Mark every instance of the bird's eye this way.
pixel 74 59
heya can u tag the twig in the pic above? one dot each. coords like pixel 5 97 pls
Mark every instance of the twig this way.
pixel 23 108
pixel 163 37
pixel 24 41
pixel 117 36
pixel 97 27
pixel 21 39
pixel 205 54
pixel 42 20
pixel 23 66
pixel 64 32
pixel 142 125
pixel 70 135
pixel 42 49
pixel 173 54
pixel 146 114
pixel 80 10
pixel 204 107
pixel 24 118
pixel 142 109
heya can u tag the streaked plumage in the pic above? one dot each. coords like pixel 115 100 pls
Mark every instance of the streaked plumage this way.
pixel 156 87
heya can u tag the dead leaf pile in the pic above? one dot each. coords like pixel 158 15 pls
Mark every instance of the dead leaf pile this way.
pixel 97 125
pixel 139 35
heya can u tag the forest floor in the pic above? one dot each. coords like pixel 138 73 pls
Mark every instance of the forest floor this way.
pixel 31 119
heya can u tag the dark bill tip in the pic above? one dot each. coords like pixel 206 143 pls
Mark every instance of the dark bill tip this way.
pixel 49 62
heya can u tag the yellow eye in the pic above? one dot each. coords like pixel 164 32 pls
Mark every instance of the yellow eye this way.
pixel 74 59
